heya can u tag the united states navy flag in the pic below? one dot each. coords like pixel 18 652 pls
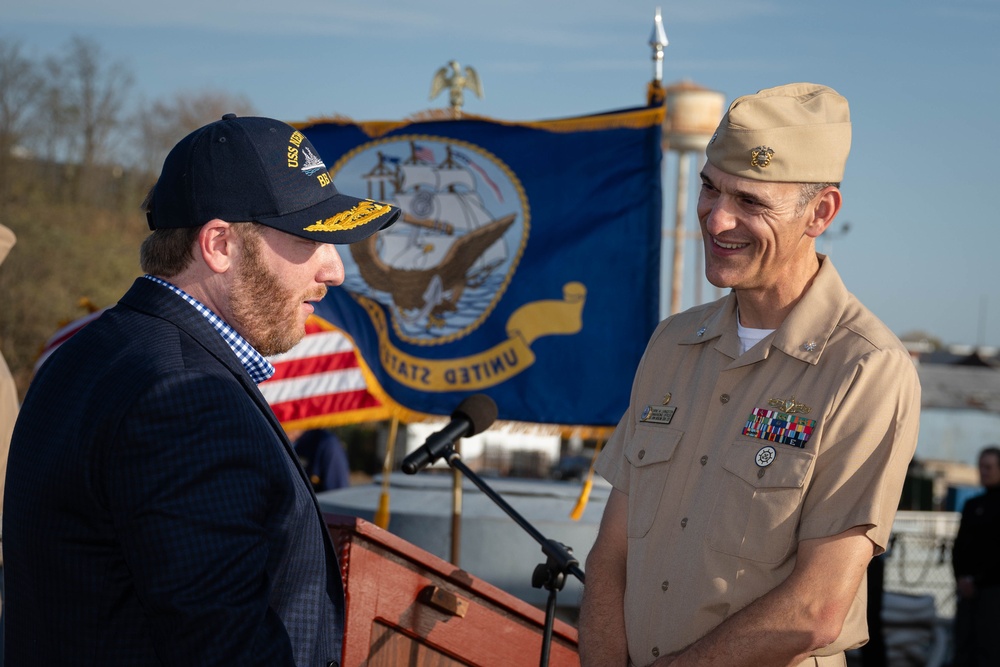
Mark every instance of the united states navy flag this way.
pixel 525 265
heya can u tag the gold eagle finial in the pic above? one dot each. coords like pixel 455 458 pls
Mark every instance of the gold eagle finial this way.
pixel 452 77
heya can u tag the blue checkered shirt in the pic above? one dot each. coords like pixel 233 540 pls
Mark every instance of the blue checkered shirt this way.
pixel 257 367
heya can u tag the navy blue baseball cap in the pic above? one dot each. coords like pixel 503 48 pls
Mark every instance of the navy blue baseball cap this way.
pixel 262 170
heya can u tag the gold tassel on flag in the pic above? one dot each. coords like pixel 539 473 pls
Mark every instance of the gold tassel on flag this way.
pixel 588 484
pixel 382 513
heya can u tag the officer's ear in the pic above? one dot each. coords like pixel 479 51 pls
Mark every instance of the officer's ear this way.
pixel 823 209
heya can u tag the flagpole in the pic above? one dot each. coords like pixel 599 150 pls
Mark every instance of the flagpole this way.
pixel 382 513
pixel 658 42
pixel 456 510
pixel 588 485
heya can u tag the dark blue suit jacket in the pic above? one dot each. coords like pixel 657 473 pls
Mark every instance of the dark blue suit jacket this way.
pixel 150 507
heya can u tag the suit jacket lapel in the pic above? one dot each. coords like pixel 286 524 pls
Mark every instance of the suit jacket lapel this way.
pixel 157 301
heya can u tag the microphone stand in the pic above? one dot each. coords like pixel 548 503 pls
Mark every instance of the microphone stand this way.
pixel 551 574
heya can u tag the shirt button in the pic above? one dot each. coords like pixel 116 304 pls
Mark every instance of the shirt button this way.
pixel 704 460
pixel 760 473
pixel 664 586
pixel 642 453
pixel 684 522
pixel 724 398
pixel 656 652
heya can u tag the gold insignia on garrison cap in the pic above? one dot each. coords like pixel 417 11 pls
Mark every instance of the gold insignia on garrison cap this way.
pixel 357 216
pixel 761 156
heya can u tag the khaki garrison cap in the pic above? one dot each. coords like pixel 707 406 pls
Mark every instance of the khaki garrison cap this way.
pixel 796 133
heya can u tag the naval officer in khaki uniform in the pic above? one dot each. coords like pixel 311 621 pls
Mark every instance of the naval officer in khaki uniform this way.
pixel 759 465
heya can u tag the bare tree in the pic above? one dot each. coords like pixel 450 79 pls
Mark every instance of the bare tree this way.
pixel 83 108
pixel 164 122
pixel 21 88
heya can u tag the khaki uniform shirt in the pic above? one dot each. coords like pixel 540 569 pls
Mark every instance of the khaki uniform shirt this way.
pixel 729 461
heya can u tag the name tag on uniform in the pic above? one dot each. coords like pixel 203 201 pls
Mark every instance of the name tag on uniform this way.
pixel 657 414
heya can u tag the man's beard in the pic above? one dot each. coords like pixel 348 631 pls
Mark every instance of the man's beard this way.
pixel 264 312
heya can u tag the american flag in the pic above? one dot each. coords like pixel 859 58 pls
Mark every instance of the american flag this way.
pixel 320 382
pixel 423 153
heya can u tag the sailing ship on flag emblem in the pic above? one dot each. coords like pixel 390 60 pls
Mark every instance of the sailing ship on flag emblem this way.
pixel 445 264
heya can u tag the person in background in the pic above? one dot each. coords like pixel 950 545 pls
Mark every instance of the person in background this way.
pixel 976 562
pixel 760 462
pixel 876 653
pixel 155 511
pixel 8 415
pixel 323 458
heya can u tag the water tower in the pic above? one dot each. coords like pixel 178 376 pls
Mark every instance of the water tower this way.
pixel 693 113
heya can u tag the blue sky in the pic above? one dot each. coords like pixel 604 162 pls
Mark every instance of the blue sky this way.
pixel 920 76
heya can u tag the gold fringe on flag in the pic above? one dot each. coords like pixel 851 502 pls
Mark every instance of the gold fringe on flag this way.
pixel 636 118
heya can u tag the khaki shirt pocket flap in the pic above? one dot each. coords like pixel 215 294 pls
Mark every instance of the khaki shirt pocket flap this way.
pixel 651 444
pixel 788 468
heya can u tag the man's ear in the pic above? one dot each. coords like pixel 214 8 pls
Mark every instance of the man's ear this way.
pixel 825 207
pixel 217 245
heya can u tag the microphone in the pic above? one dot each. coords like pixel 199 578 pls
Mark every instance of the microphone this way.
pixel 473 415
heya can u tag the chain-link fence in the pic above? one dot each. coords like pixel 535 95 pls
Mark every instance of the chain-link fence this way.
pixel 918 561
pixel 919 600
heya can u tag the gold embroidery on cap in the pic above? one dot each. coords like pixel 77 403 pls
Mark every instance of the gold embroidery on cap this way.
pixel 360 214
pixel 761 156
pixel 790 406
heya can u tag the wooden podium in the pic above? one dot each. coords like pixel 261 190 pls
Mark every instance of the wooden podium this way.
pixel 407 607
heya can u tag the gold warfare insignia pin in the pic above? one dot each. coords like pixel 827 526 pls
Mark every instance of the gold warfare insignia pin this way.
pixel 790 406
pixel 357 216
pixel 657 414
pixel 761 156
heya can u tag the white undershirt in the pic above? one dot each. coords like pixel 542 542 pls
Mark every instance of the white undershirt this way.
pixel 749 337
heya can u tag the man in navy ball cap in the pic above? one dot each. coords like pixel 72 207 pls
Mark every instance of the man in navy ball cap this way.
pixel 155 512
